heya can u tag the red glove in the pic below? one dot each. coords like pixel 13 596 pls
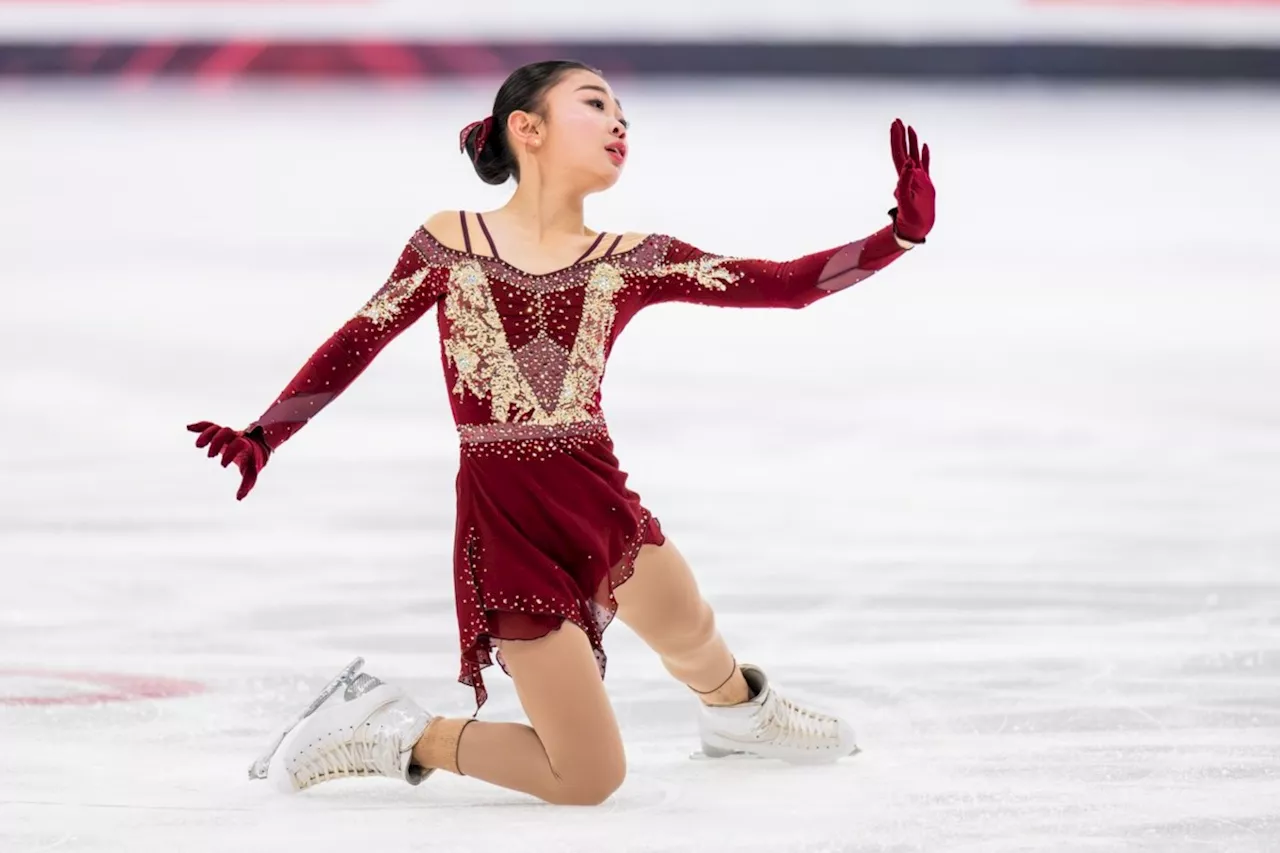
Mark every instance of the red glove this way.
pixel 247 450
pixel 913 217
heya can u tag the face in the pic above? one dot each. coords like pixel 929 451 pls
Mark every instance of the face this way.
pixel 582 138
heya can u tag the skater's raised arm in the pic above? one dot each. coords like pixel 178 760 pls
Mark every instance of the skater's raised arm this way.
pixel 409 292
pixel 689 274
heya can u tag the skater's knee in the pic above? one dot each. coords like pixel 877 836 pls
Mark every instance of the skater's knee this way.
pixel 692 628
pixel 591 782
pixel 593 787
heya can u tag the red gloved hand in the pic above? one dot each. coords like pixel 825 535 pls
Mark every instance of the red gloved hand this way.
pixel 914 215
pixel 249 452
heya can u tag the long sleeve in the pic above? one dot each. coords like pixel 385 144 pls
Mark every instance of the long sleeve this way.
pixel 408 293
pixel 688 274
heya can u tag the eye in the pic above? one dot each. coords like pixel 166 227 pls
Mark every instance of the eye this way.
pixel 600 105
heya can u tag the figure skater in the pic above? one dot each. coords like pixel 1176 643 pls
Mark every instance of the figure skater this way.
pixel 550 543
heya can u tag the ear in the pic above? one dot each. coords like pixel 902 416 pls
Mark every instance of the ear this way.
pixel 524 129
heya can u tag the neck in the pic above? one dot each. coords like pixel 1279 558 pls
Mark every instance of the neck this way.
pixel 544 212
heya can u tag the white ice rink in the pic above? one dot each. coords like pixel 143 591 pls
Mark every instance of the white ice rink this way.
pixel 1013 505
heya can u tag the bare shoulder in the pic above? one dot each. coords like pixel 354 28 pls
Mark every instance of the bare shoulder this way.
pixel 630 240
pixel 445 226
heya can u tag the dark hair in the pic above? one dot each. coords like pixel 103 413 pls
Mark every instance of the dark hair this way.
pixel 523 91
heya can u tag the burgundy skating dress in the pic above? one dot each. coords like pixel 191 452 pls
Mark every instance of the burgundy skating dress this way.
pixel 546 526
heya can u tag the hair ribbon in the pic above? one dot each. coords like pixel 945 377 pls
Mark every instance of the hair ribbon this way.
pixel 486 127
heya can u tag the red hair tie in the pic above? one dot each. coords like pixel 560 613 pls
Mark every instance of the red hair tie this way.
pixel 486 127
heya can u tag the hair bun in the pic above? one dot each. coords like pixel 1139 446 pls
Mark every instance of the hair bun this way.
pixel 489 155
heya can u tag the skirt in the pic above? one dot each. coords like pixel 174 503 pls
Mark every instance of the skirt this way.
pixel 546 531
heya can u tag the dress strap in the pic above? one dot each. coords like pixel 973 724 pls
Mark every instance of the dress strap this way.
pixel 466 233
pixel 485 228
pixel 614 246
pixel 591 249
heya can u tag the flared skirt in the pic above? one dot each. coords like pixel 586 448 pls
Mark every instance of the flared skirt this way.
pixel 546 530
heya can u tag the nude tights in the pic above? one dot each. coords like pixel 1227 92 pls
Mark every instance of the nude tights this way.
pixel 571 751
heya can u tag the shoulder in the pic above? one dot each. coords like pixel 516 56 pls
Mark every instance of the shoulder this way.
pixel 630 240
pixel 446 227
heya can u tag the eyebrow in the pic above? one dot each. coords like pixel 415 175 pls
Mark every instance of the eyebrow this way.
pixel 602 90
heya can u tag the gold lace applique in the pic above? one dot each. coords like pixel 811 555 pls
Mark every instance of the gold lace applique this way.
pixel 586 360
pixel 707 271
pixel 386 304
pixel 478 347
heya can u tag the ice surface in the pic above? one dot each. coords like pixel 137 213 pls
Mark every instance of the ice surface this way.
pixel 1012 505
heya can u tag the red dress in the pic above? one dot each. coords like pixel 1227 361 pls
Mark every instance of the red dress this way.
pixel 546 527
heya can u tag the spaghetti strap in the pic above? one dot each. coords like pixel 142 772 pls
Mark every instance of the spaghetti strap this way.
pixel 591 249
pixel 466 233
pixel 485 228
pixel 614 246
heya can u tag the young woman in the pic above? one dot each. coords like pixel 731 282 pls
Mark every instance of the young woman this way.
pixel 550 543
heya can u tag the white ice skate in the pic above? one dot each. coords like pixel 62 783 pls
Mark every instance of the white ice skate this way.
pixel 371 732
pixel 771 726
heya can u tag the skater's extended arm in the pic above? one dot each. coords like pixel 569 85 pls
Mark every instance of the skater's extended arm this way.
pixel 688 274
pixel 409 292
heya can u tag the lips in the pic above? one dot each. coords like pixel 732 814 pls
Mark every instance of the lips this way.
pixel 617 151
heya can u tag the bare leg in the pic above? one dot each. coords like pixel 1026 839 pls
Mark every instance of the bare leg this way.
pixel 661 603
pixel 571 754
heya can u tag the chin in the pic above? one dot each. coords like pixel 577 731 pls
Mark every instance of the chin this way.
pixel 599 182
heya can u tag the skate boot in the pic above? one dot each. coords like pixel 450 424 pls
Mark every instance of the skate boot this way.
pixel 371 732
pixel 770 726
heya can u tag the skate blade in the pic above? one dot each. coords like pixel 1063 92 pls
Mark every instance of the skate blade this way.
pixel 725 755
pixel 258 769
pixel 702 755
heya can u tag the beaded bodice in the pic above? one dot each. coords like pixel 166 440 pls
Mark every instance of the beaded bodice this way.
pixel 521 348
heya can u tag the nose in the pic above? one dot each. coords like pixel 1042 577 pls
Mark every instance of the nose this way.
pixel 618 130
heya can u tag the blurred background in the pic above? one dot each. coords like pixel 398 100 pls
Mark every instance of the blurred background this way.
pixel 1011 505
pixel 1186 40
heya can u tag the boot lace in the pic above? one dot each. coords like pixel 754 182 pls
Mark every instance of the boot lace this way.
pixel 375 755
pixel 789 724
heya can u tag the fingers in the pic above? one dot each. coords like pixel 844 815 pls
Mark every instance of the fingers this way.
pixel 904 142
pixel 221 437
pixel 903 189
pixel 207 436
pixel 245 456
pixel 898 144
pixel 247 484
pixel 206 430
pixel 233 451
